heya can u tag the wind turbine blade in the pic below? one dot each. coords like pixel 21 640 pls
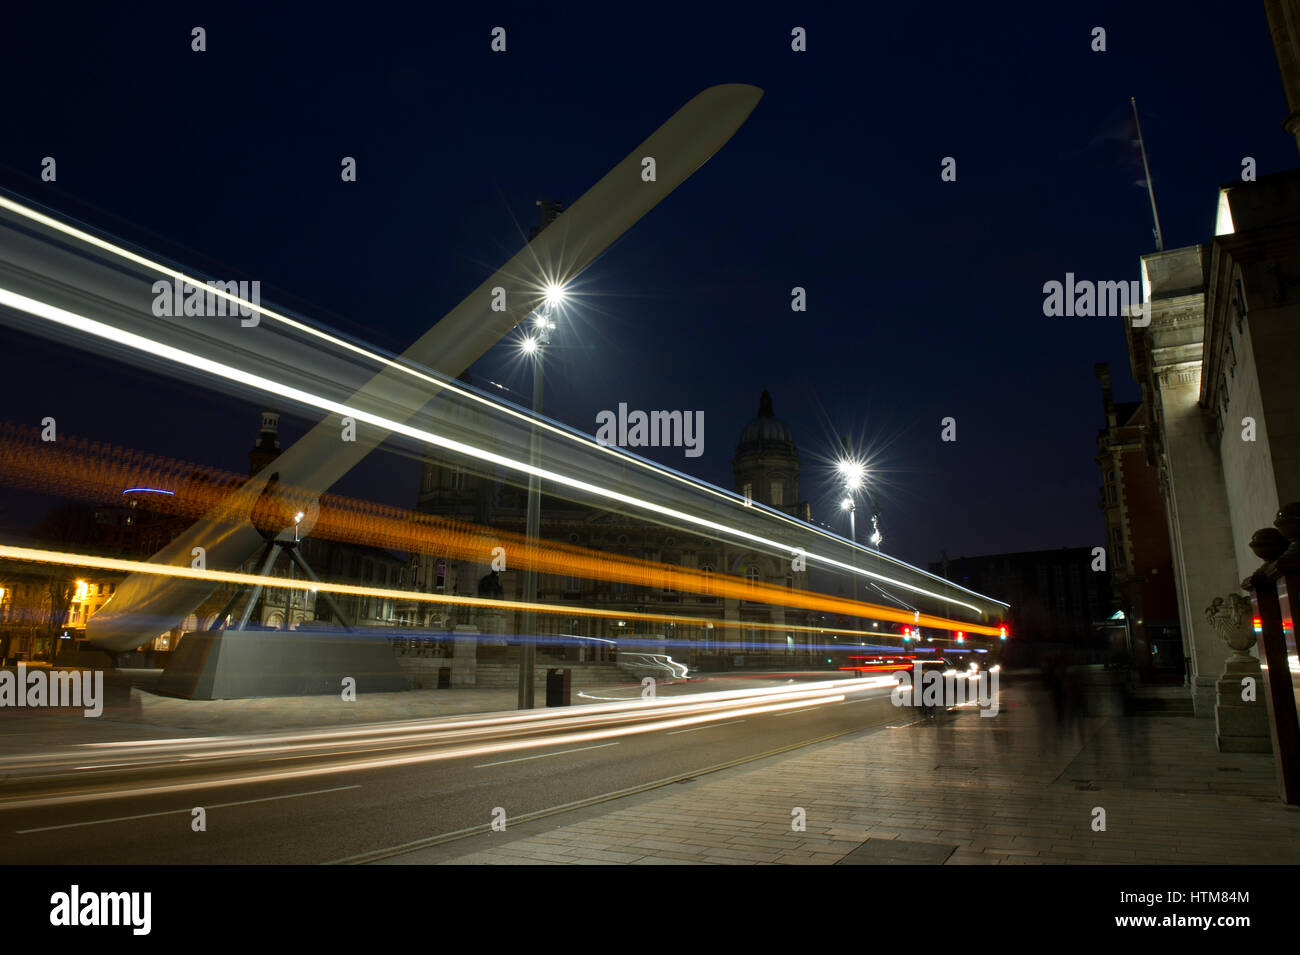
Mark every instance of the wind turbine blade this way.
pixel 146 605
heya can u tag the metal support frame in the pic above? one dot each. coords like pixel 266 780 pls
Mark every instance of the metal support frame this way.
pixel 270 554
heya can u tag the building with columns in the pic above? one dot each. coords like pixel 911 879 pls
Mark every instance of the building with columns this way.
pixel 766 468
pixel 1216 358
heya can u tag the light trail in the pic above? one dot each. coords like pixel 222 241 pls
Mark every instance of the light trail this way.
pixel 158 752
pixel 533 421
pixel 94 472
pixel 37 555
pixel 820 695
pixel 92 327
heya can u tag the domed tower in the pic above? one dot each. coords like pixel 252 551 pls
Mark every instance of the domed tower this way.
pixel 267 447
pixel 766 463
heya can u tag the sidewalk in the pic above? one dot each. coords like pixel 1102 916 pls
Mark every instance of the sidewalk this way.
pixel 1012 789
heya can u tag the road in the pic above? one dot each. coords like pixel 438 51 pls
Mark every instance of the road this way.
pixel 368 793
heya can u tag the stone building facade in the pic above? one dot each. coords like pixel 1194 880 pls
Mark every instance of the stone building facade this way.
pixel 766 468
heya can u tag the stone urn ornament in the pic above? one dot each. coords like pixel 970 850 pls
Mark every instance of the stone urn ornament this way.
pixel 1242 721
pixel 1228 616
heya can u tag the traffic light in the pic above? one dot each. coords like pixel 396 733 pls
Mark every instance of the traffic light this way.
pixel 1002 631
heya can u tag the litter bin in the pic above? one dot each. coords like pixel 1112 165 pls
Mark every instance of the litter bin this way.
pixel 444 678
pixel 558 682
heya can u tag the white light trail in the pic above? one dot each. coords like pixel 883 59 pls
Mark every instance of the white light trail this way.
pixel 550 293
pixel 102 330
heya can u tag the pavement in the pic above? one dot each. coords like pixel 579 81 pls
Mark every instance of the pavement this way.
pixel 1023 787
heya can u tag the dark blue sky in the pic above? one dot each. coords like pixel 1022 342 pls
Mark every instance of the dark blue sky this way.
pixel 925 297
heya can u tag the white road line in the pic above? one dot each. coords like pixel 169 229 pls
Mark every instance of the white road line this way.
pixel 173 812
pixel 806 709
pixel 707 726
pixel 521 759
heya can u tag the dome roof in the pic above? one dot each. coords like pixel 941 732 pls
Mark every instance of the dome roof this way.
pixel 766 428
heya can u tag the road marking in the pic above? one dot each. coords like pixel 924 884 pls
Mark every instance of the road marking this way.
pixel 173 812
pixel 709 726
pixel 806 709
pixel 521 759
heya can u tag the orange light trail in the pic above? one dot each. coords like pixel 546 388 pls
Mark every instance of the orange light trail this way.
pixel 97 472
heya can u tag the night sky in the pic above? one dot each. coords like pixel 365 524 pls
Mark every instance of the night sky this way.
pixel 924 297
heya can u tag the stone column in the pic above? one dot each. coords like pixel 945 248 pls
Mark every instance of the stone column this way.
pixel 1167 359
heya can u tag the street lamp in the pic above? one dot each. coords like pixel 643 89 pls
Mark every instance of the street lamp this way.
pixel 533 345
pixel 853 472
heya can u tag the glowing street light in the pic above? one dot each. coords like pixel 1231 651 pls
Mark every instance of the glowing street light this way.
pixel 853 472
pixel 533 346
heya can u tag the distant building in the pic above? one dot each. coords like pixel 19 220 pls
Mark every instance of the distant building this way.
pixel 1137 542
pixel 1055 595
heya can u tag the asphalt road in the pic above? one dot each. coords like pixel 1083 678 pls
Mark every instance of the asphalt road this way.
pixel 364 799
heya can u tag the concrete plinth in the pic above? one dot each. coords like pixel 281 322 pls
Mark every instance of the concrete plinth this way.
pixel 1205 696
pixel 241 664
pixel 1242 724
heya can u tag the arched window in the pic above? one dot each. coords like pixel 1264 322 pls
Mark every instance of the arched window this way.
pixel 707 587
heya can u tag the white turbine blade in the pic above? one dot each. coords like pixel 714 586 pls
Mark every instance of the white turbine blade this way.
pixel 146 605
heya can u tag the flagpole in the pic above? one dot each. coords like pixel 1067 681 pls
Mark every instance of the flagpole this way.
pixel 1160 241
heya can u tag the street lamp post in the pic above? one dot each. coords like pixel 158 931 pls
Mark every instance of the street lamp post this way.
pixel 534 344
pixel 854 473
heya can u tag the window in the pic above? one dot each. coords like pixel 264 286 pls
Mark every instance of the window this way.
pixel 440 575
pixel 751 573
pixel 778 494
pixel 747 489
pixel 706 588
pixel 456 479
